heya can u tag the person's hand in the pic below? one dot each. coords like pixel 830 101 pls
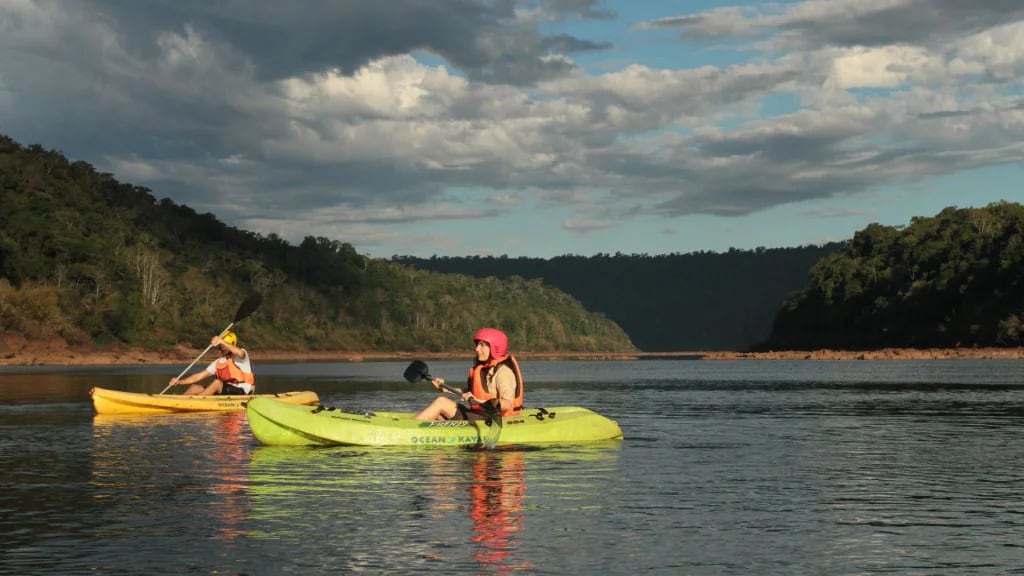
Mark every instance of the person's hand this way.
pixel 216 341
pixel 437 382
pixel 174 382
pixel 468 397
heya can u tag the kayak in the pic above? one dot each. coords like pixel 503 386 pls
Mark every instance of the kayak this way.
pixel 117 402
pixel 279 424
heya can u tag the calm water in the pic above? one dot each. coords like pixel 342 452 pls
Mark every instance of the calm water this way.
pixel 746 467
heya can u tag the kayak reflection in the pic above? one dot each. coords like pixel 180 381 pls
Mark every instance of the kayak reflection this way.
pixel 230 466
pixel 409 509
pixel 192 469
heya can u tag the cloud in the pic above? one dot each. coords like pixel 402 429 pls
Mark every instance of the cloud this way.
pixel 482 39
pixel 583 226
pixel 355 115
pixel 554 10
pixel 816 24
pixel 886 67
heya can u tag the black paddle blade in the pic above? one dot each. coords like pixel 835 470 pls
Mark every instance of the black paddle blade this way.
pixel 417 371
pixel 493 410
pixel 248 307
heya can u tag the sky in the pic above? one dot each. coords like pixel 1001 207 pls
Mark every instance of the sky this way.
pixel 531 128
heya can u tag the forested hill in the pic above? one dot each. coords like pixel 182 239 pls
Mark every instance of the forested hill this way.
pixel 89 259
pixel 94 261
pixel 952 280
pixel 695 301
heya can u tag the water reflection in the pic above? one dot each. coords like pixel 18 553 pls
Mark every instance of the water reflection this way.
pixel 489 487
pixel 189 470
pixel 727 468
pixel 398 510
pixel 496 498
pixel 230 468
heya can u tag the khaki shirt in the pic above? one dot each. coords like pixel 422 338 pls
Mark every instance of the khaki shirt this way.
pixel 504 378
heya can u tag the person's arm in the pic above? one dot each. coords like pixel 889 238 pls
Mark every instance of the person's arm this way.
pixel 505 384
pixel 235 350
pixel 438 382
pixel 243 362
pixel 196 377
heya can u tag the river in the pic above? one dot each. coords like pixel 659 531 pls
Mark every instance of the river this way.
pixel 727 467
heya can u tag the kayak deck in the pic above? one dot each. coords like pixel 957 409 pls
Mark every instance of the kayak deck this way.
pixel 107 401
pixel 280 424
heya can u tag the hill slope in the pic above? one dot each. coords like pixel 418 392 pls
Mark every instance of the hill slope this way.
pixel 94 261
pixel 952 280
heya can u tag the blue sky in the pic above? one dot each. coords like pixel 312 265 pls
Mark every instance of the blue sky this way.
pixel 531 128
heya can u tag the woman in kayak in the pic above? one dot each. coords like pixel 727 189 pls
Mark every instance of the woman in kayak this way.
pixel 494 376
pixel 232 371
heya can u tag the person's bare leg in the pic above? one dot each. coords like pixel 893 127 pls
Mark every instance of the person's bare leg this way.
pixel 215 387
pixel 441 406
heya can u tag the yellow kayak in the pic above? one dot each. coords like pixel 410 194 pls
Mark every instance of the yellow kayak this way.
pixel 117 402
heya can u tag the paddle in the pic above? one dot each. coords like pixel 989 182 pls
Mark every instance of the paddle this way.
pixel 418 371
pixel 244 311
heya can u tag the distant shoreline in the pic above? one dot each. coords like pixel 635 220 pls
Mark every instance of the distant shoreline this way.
pixel 20 352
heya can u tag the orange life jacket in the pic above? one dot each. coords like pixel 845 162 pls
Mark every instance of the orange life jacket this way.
pixel 229 372
pixel 476 384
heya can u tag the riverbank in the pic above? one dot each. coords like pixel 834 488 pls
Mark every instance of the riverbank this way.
pixel 15 351
pixel 58 353
pixel 883 354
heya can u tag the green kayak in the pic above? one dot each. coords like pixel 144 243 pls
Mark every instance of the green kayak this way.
pixel 281 424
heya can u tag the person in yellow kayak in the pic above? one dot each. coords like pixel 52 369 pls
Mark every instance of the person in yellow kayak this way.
pixel 494 375
pixel 232 371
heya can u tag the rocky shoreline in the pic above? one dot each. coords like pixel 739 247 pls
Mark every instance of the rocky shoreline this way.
pixel 21 352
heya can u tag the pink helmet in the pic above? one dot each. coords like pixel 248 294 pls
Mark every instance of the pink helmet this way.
pixel 495 338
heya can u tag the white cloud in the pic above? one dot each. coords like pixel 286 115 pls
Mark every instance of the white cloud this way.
pixel 998 52
pixel 886 67
pixel 393 87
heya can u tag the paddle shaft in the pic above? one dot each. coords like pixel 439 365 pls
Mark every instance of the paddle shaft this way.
pixel 456 392
pixel 451 390
pixel 189 367
pixel 418 371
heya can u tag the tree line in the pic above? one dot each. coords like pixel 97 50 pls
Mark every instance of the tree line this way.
pixel 952 280
pixel 91 260
pixel 670 302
